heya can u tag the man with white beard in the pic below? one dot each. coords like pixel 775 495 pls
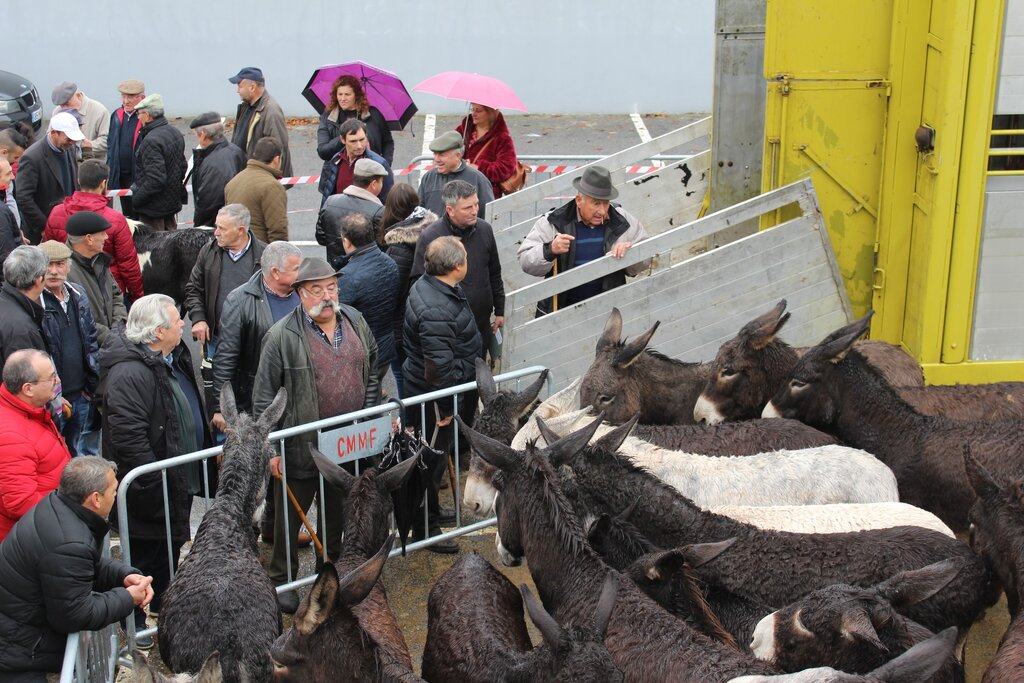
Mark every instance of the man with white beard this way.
pixel 324 354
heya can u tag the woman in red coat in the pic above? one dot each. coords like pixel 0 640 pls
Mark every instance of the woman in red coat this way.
pixel 489 146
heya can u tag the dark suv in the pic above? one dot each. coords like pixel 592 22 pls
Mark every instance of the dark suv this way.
pixel 19 100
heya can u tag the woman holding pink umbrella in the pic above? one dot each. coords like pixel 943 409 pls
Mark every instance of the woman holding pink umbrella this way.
pixel 489 146
pixel 348 101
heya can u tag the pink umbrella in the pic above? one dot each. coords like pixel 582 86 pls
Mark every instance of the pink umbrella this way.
pixel 459 85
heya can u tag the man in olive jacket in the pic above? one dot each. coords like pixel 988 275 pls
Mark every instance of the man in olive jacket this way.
pixel 256 188
pixel 324 354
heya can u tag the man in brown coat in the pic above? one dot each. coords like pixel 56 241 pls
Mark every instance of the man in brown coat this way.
pixel 259 115
pixel 257 188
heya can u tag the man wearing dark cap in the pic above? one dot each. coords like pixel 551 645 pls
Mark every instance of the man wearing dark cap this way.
pixel 95 118
pixel 324 354
pixel 158 190
pixel 258 116
pixel 90 268
pixel 47 173
pixel 214 163
pixel 359 197
pixel 583 230
pixel 448 166
pixel 121 140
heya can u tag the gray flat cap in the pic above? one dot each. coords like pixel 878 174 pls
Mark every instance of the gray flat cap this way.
pixel 368 168
pixel 64 91
pixel 446 141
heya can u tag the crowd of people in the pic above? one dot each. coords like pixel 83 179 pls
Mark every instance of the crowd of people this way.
pixel 409 296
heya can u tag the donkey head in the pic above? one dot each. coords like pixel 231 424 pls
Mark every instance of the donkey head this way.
pixel 144 673
pixel 247 452
pixel 612 383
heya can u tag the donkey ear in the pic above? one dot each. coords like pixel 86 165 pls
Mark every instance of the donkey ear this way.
pixel 605 604
pixel 661 565
pixel 333 474
pixel 698 554
pixel 211 670
pixel 493 452
pixel 612 441
pixel 546 624
pixel 321 601
pixel 981 481
pixel 920 662
pixel 526 397
pixel 628 354
pixel 141 668
pixel 612 331
pixel 546 432
pixel 393 478
pixel 917 585
pixel 274 411
pixel 836 345
pixel 358 583
pixel 485 381
pixel 600 529
pixel 856 625
pixel 563 450
pixel 628 512
pixel 761 331
pixel 227 404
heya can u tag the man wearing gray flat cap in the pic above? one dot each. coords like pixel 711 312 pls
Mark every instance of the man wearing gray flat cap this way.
pixel 362 196
pixel 448 166
pixel 95 118
pixel 580 231
pixel 216 161
pixel 158 191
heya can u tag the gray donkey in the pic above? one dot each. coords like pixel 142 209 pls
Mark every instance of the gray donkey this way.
pixel 221 598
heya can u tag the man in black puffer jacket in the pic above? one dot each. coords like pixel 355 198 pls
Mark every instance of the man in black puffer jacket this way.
pixel 53 577
pixel 442 344
pixel 158 190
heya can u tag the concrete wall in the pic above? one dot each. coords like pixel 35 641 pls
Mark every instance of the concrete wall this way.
pixel 599 56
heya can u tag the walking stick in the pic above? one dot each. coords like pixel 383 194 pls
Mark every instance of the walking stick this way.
pixel 302 516
pixel 451 479
pixel 554 298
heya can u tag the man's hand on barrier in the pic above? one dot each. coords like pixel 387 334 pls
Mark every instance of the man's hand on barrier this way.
pixel 275 467
pixel 140 588
pixel 201 332
pixel 445 422
pixel 620 249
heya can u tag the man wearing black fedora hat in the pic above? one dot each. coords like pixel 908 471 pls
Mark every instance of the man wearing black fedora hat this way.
pixel 580 231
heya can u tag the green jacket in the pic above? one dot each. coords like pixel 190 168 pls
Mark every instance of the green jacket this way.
pixel 105 298
pixel 285 362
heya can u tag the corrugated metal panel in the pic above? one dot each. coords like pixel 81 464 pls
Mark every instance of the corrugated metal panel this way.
pixel 999 303
pixel 1010 92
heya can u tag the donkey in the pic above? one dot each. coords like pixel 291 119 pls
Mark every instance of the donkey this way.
pixel 221 599
pixel 209 673
pixel 476 632
pixel 836 391
pixel 997 519
pixel 753 365
pixel 771 566
pixel 916 665
pixel 166 258
pixel 536 520
pixel 854 629
pixel 345 630
pixel 628 378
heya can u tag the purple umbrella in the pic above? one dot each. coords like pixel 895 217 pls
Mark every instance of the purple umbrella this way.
pixel 383 89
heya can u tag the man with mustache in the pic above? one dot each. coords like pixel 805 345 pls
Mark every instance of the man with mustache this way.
pixel 71 337
pixel 324 354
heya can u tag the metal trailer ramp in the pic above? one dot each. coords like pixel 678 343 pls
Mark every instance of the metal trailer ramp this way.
pixel 661 199
pixel 700 302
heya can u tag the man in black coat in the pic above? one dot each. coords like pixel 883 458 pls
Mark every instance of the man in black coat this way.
pixel 47 173
pixel 442 343
pixel 21 307
pixel 361 197
pixel 483 286
pixel 54 579
pixel 152 411
pixel 158 190
pixel 215 163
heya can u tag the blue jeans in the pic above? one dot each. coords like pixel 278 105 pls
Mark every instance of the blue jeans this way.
pixel 211 351
pixel 81 430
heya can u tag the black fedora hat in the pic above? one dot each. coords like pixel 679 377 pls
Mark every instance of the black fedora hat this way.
pixel 596 182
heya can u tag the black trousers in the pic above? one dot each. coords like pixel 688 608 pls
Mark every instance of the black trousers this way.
pixel 150 557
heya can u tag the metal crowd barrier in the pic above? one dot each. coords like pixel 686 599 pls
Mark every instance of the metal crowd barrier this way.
pixel 91 657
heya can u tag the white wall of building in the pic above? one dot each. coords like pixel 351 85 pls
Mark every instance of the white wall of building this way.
pixel 560 56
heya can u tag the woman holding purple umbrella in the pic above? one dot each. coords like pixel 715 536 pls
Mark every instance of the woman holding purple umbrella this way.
pixel 349 101
pixel 489 146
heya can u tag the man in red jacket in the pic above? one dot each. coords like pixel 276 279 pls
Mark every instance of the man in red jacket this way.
pixel 34 452
pixel 124 265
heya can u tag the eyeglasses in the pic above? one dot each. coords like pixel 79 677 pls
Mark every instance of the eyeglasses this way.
pixel 318 291
pixel 52 379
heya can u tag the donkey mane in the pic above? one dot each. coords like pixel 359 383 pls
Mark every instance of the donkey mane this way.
pixel 567 525
pixel 658 355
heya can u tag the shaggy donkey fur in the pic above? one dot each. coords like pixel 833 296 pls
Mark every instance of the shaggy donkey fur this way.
pixel 838 392
pixel 777 567
pixel 476 632
pixel 221 599
pixel 209 673
pixel 916 665
pixel 345 629
pixel 536 520
pixel 997 534
pixel 166 258
pixel 833 519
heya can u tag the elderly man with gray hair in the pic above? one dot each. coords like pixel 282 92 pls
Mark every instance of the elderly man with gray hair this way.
pixel 55 578
pixel 449 166
pixel 216 161
pixel 152 411
pixel 21 308
pixel 158 190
